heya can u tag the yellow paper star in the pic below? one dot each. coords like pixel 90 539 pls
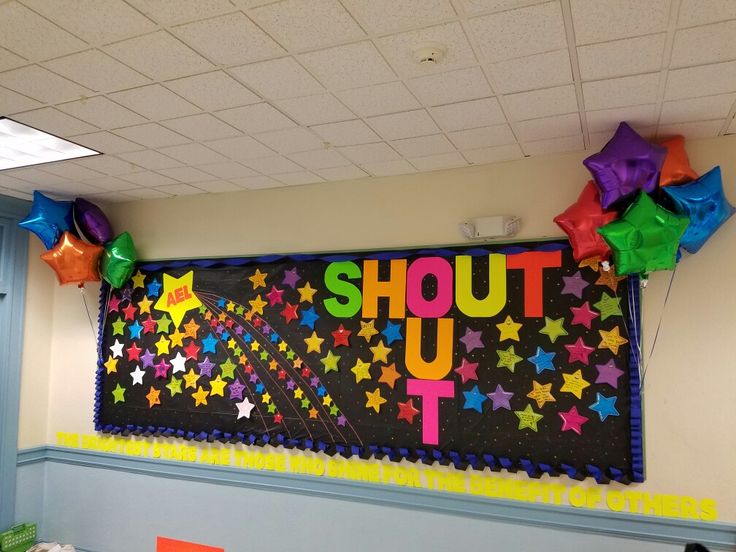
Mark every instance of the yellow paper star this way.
pixel 153 397
pixel 258 279
pixel 178 297
pixel 282 346
pixel 231 344
pixel 230 306
pixel 176 338
pixel 362 370
pixel 368 330
pixel 162 346
pixel 265 398
pixel 298 393
pixel 591 262
pixel 611 340
pixel 553 328
pixel 375 400
pixel 200 397
pixel 380 352
pixel 257 304
pixel 138 279
pixel 327 400
pixel 145 305
pixel 217 386
pixel 191 378
pixel 111 364
pixel 314 343
pixel 528 418
pixel 541 393
pixel 574 383
pixel 509 329
pixel 255 346
pixel 306 293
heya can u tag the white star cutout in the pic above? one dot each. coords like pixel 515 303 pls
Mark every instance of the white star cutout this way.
pixel 178 363
pixel 117 349
pixel 244 408
pixel 137 376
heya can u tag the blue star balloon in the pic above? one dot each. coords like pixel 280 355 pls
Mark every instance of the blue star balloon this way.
pixel 48 219
pixel 705 203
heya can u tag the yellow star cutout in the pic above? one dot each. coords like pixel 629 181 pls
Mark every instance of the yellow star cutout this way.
pixel 375 400
pixel 298 393
pixel 191 378
pixel 162 346
pixel 231 344
pixel 178 297
pixel 111 364
pixel 611 340
pixel 258 279
pixel 145 305
pixel 591 262
pixel 380 352
pixel 230 306
pixel 367 330
pixel 327 400
pixel 574 383
pixel 509 329
pixel 138 279
pixel 266 398
pixel 176 338
pixel 257 305
pixel 282 346
pixel 255 346
pixel 541 393
pixel 190 329
pixel 306 293
pixel 200 397
pixel 217 386
pixel 362 370
pixel 314 343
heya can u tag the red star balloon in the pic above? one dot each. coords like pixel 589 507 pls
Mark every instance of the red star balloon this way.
pixel 581 221
pixel 73 260
pixel 676 168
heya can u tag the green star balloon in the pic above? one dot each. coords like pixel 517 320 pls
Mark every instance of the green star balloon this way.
pixel 645 238
pixel 118 260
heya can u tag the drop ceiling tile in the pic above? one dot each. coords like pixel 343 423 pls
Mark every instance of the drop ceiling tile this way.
pixel 8 60
pixel 111 197
pixel 69 170
pixel 495 154
pixel 54 121
pixel 369 153
pixel 399 49
pixel 146 193
pixel 349 66
pixel 688 82
pixel 403 125
pixel 180 189
pixel 12 102
pixel 732 127
pixel 159 56
pixel 424 145
pixel 273 165
pixel 27 196
pixel 549 127
pixel 451 87
pixel 152 135
pixel 498 135
pixel 70 190
pixel 291 140
pixel 227 170
pixel 697 109
pixel 473 114
pixel 229 39
pixel 9 182
pixel 520 32
pixel 148 178
pixel 302 24
pixel 111 183
pixel 532 72
pixel 213 91
pixel 97 22
pixel 691 131
pixel 108 164
pixel 542 103
pixel 553 145
pixel 193 154
pixel 438 162
pixel 346 133
pixel 261 117
pixel 386 16
pixel 298 178
pixel 701 12
pixel 601 21
pixel 319 159
pixel 348 172
pixel 150 159
pixel 257 183
pixel 96 70
pixel 186 174
pixel 154 102
pixel 35 38
pixel 620 92
pixel 706 44
pixel 389 168
pixel 42 85
pixel 607 120
pixel 240 149
pixel 277 79
pixel 315 110
pixel 106 142
pixel 201 127
pixel 101 112
pixel 619 58
pixel 391 97
pixel 171 12
pixel 218 187
pixel 37 176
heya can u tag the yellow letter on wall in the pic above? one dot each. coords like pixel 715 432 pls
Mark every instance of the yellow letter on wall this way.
pixel 492 303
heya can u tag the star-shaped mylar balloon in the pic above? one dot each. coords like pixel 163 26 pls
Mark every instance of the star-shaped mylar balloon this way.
pixel 73 260
pixel 645 238
pixel 48 219
pixel 705 203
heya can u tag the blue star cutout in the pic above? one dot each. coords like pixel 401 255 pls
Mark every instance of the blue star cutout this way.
pixel 309 317
pixel 248 338
pixel 225 336
pixel 321 391
pixel 154 288
pixel 392 332
pixel 221 303
pixel 209 344
pixel 135 330
pixel 260 388
pixel 474 399
pixel 275 337
pixel 542 360
pixel 604 406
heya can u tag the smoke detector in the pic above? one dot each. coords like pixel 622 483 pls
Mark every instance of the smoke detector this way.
pixel 429 53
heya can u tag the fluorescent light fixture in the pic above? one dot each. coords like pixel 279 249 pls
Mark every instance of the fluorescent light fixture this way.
pixel 22 146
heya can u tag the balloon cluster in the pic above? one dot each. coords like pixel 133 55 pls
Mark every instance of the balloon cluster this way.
pixel 645 202
pixel 73 259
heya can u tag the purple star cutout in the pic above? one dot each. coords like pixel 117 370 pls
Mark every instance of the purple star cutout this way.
pixel 205 367
pixel 608 373
pixel 220 329
pixel 341 420
pixel 291 277
pixel 162 369
pixel 239 330
pixel 236 390
pixel 314 382
pixel 471 340
pixel 500 398
pixel 127 293
pixel 147 359
pixel 253 378
pixel 266 329
pixel 574 285
pixel 290 385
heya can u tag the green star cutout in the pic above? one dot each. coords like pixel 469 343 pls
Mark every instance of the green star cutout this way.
pixel 290 355
pixel 330 362
pixel 174 386
pixel 239 310
pixel 609 306
pixel 238 351
pixel 228 369
pixel 202 309
pixel 507 358
pixel 528 418
pixel 553 328
pixel 264 355
pixel 118 327
pixel 119 394
pixel 305 403
pixel 163 323
pixel 271 408
pixel 334 410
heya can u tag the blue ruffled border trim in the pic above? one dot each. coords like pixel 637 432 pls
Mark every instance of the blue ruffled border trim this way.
pixel 426 456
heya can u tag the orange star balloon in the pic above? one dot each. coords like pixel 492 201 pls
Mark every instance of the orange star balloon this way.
pixel 73 260
pixel 676 168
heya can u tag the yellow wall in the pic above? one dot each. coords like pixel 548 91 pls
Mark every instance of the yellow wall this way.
pixel 688 393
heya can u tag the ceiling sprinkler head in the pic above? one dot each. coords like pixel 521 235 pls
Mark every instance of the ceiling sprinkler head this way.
pixel 429 53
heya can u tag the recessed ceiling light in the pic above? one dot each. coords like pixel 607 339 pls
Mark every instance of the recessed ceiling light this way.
pixel 22 146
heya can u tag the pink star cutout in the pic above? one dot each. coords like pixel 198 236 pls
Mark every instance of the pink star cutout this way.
pixel 274 296
pixel 583 315
pixel 579 351
pixel 467 370
pixel 572 420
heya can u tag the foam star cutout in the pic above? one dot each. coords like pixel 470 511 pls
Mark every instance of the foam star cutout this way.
pixel 236 390
pixel 389 375
pixel 309 318
pixel 611 340
pixel 574 383
pixel 306 293
pixel 200 397
pixel 375 400
pixel 509 329
pixel 162 369
pixel 149 325
pixel 176 338
pixel 467 370
pixel 217 387
pixel 367 330
pixel 154 288
pixel 153 397
pixel 305 403
pixel 553 328
pixel 327 400
pixel 500 398
pixel 380 352
pixel 174 386
pixel 135 330
pixel 474 399
pixel 574 285
pixel 542 360
pixel 583 315
pixel 178 297
pixel 138 280
pixel 472 340
pixel 291 277
pixel 508 358
pixel 209 344
pixel 330 362
pixel 205 367
pixel 604 406
pixel 271 408
pixel 572 420
pixel 134 352
pixel 407 411
pixel 147 359
pixel 257 304
pixel 341 336
pixel 117 349
pixel 258 279
pixel 190 379
pixel 592 263
pixel 361 370
pixel 119 394
pixel 178 363
pixel 528 418
pixel 541 393
pixel 144 305
pixel 608 306
pixel 162 346
pixel 129 312
pixel 192 351
pixel 289 312
pixel 392 332
pixel 579 351
pixel 275 296
pixel 118 327
pixel 113 304
pixel 608 373
pixel 244 408
pixel 266 398
pixel 313 413
pixel 111 364
pixel 609 278
pixel 228 369
pixel 298 393
pixel 314 343
pixel 137 376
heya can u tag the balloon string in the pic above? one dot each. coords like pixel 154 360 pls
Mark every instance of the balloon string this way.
pixel 89 316
pixel 659 326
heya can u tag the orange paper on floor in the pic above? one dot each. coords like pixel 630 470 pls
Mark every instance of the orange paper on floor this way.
pixel 170 545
